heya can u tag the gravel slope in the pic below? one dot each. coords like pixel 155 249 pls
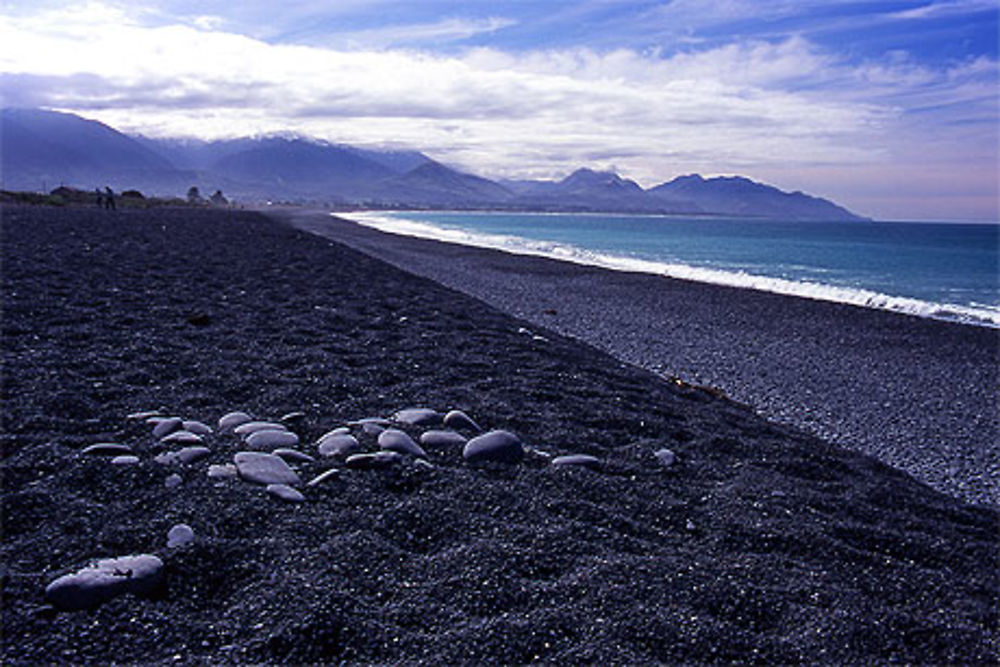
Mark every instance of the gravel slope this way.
pixel 918 394
pixel 761 543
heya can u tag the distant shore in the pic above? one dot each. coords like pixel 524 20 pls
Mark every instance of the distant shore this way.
pixel 916 393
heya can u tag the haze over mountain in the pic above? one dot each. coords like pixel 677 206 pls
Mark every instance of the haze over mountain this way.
pixel 590 190
pixel 46 148
pixel 433 183
pixel 276 163
pixel 735 195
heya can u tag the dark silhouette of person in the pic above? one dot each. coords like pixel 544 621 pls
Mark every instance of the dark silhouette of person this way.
pixel 100 198
pixel 109 199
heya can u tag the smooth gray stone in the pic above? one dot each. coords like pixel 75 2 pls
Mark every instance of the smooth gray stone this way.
pixel 192 454
pixel 418 416
pixel 374 461
pixel 173 481
pixel 539 453
pixel 168 425
pixel 458 419
pixel 125 460
pixel 167 458
pixel 293 455
pixel 666 457
pixel 223 471
pixel 339 445
pixel 231 420
pixel 196 427
pixel 442 439
pixel 106 449
pixel 182 437
pixel 584 460
pixel 179 536
pixel 105 579
pixel 380 421
pixel 394 440
pixel 262 468
pixel 372 428
pixel 332 473
pixel 292 417
pixel 245 430
pixel 143 415
pixel 286 493
pixel 423 464
pixel 185 455
pixel 496 446
pixel 340 430
pixel 269 439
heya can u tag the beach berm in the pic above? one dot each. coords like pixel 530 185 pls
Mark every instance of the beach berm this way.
pixel 914 392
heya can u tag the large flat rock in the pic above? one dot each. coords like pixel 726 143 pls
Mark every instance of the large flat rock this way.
pixel 263 468
pixel 105 579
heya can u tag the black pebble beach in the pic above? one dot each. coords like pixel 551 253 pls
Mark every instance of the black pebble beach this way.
pixel 917 393
pixel 760 543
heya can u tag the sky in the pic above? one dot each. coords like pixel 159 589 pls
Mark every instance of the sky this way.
pixel 888 108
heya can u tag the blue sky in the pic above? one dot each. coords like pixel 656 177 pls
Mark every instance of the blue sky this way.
pixel 890 108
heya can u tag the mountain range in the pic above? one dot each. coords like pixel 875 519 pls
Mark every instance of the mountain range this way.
pixel 44 149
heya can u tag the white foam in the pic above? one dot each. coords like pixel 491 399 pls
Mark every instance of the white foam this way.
pixel 978 314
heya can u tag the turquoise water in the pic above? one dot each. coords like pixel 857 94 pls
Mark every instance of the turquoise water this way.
pixel 940 270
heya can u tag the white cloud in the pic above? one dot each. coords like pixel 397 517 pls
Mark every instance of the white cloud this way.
pixel 445 30
pixel 208 22
pixel 949 8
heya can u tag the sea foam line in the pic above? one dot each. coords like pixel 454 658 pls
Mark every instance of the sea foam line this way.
pixel 982 316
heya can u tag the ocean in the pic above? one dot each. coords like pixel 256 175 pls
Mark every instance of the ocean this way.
pixel 945 271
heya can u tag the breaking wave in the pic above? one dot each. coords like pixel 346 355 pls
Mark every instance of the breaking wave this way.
pixel 977 314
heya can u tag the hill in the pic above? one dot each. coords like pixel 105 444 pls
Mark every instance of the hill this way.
pixel 45 147
pixel 738 196
pixel 590 190
pixel 297 165
pixel 434 184
pixel 63 149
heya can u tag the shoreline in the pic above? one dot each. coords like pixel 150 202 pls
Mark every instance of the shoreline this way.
pixel 914 392
pixel 969 314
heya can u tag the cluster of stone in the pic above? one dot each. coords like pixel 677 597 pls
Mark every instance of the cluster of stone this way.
pixel 267 454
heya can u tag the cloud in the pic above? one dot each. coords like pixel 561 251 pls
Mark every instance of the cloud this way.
pixel 445 30
pixel 934 10
pixel 208 22
pixel 783 106
pixel 692 14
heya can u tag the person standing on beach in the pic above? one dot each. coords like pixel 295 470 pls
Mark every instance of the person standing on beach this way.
pixel 100 197
pixel 109 199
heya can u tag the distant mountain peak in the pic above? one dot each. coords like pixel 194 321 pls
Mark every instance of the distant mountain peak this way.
pixel 586 178
pixel 586 175
pixel 288 136
pixel 741 196
pixel 689 178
